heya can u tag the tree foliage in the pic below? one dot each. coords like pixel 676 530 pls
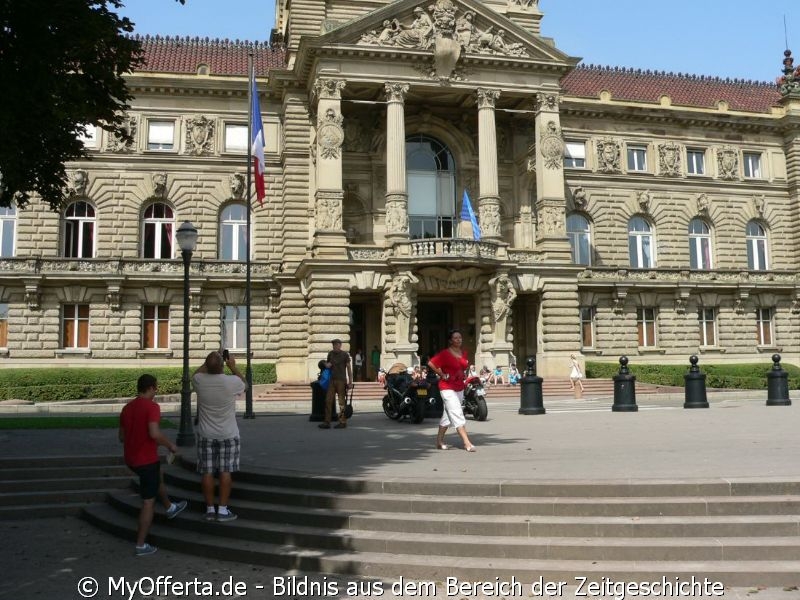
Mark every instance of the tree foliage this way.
pixel 61 66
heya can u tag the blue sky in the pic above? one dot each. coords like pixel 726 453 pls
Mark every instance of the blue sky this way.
pixel 726 38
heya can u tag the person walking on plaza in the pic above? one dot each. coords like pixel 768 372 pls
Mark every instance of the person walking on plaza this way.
pixel 575 375
pixel 338 362
pixel 375 360
pixel 450 365
pixel 218 445
pixel 141 436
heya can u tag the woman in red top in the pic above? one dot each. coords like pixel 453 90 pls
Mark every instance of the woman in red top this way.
pixel 450 365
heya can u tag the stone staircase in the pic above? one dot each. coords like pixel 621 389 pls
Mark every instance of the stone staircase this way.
pixel 53 486
pixel 740 533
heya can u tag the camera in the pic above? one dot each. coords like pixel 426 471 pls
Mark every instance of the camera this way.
pixel 225 355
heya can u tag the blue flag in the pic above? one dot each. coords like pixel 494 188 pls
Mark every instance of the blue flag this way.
pixel 467 214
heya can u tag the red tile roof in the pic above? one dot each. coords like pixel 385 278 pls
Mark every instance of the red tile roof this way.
pixel 684 90
pixel 223 57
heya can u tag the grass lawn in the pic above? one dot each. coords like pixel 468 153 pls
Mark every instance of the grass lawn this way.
pixel 77 422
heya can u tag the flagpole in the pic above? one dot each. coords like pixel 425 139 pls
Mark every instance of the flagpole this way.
pixel 251 77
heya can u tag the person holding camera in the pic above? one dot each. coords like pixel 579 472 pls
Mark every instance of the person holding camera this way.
pixel 218 445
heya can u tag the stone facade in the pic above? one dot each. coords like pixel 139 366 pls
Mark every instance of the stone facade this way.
pixel 347 95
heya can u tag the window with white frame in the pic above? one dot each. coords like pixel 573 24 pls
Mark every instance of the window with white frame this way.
pixel 3 325
pixel 764 332
pixel 579 234
pixel 757 257
pixel 234 326
pixel 751 162
pixel 647 326
pixel 637 158
pixel 91 137
pixel 233 232
pixel 640 244
pixel 161 135
pixel 235 138
pixel 588 315
pixel 695 161
pixel 75 326
pixel 155 327
pixel 431 181
pixel 699 244
pixel 8 231
pixel 575 155
pixel 79 230
pixel 158 231
pixel 707 319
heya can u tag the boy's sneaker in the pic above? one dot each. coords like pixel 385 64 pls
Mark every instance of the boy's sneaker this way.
pixel 228 516
pixel 145 550
pixel 210 516
pixel 176 509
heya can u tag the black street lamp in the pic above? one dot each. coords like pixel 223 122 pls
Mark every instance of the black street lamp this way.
pixel 187 241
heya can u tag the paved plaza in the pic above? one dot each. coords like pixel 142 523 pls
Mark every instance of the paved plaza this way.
pixel 580 440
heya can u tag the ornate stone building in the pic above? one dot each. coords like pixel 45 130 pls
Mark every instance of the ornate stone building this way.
pixel 649 214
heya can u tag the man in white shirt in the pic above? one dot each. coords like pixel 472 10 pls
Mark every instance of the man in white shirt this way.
pixel 218 446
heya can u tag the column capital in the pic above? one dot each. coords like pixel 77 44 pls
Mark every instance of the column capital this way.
pixel 547 102
pixel 486 97
pixel 396 92
pixel 329 88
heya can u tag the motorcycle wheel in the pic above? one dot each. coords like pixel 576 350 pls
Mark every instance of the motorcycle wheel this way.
pixel 389 409
pixel 481 410
pixel 419 411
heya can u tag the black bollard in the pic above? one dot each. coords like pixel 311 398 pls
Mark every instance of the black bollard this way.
pixel 777 384
pixel 624 389
pixel 695 386
pixel 530 391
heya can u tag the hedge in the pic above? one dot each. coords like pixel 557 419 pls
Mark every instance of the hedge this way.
pixel 59 384
pixel 738 376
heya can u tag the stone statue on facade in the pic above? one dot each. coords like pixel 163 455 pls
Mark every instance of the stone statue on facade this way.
pixel 79 183
pixel 159 184
pixel 402 301
pixel 237 184
pixel 503 296
pixel 417 35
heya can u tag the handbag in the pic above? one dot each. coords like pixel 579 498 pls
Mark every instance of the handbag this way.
pixel 348 408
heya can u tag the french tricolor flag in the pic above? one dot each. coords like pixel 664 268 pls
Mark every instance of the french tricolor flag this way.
pixel 257 143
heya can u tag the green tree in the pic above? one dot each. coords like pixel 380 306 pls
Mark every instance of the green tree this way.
pixel 62 64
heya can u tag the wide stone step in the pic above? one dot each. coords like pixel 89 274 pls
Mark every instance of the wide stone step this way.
pixel 60 461
pixel 479 505
pixel 43 511
pixel 437 569
pixel 488 546
pixel 53 497
pixel 61 472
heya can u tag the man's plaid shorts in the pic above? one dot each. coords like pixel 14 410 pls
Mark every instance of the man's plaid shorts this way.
pixel 217 456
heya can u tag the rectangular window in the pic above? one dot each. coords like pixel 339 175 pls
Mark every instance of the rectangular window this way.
pixel 75 326
pixel 575 155
pixel 234 326
pixel 646 323
pixel 695 161
pixel 155 327
pixel 587 326
pixel 752 165
pixel 764 326
pixel 161 135
pixel 708 326
pixel 236 138
pixel 3 325
pixel 637 158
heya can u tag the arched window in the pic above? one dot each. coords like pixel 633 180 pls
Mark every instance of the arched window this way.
pixel 579 239
pixel 79 224
pixel 757 258
pixel 699 244
pixel 431 188
pixel 233 232
pixel 8 231
pixel 158 231
pixel 640 244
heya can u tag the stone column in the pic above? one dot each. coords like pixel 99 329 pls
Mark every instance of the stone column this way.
pixel 551 235
pixel 396 192
pixel 328 299
pixel 558 329
pixel 503 293
pixel 329 240
pixel 489 199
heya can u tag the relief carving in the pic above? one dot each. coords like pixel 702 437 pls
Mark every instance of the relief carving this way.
pixel 490 219
pixel 644 198
pixel 237 183
pixel 669 158
pixel 123 143
pixel 159 184
pixel 79 183
pixel 396 215
pixel 760 204
pixel 552 146
pixel 728 163
pixel 703 204
pixel 329 213
pixel 579 198
pixel 608 156
pixel 330 134
pixel 329 88
pixel 199 136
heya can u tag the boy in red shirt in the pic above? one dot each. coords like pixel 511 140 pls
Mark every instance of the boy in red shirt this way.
pixel 141 436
